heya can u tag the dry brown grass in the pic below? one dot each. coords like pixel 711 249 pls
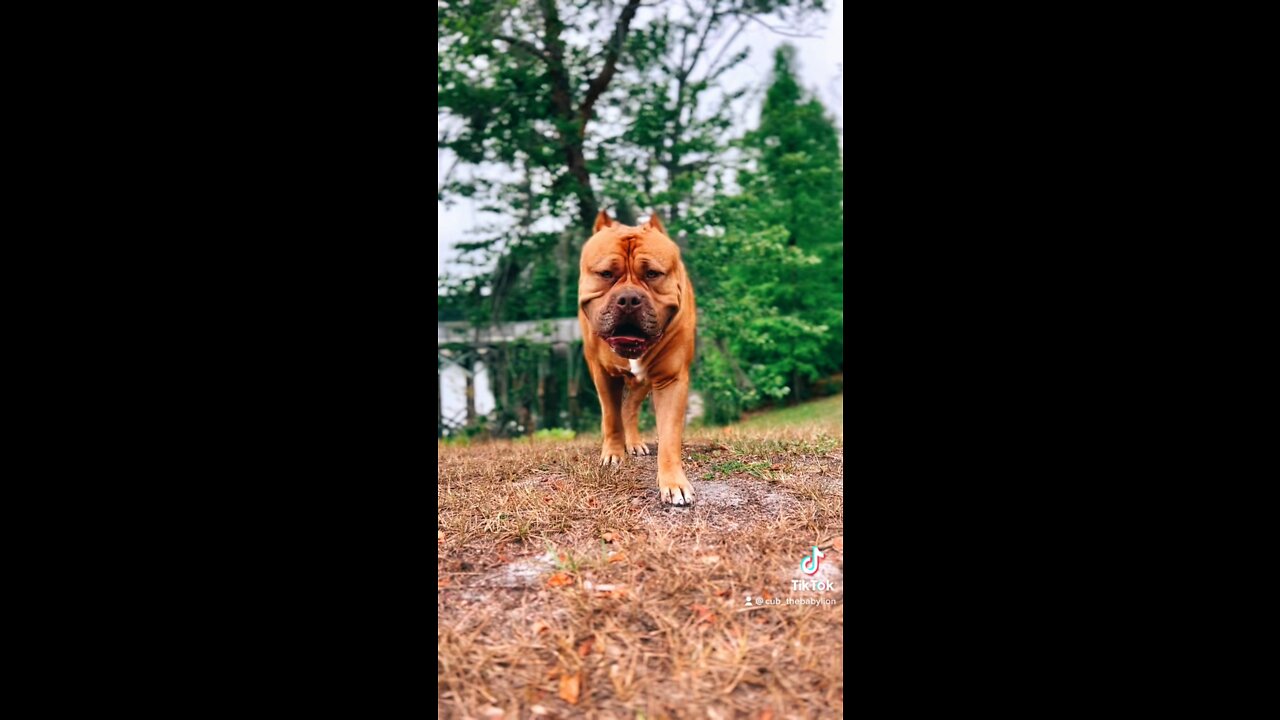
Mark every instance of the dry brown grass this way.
pixel 569 591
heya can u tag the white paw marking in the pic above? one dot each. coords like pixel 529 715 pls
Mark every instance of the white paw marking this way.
pixel 637 370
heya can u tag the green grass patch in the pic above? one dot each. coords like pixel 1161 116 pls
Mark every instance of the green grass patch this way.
pixel 827 412
pixel 548 435
pixel 733 466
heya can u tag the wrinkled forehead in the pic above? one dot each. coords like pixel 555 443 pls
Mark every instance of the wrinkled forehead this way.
pixel 630 242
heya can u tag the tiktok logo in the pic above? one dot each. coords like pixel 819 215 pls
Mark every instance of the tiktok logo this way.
pixel 809 563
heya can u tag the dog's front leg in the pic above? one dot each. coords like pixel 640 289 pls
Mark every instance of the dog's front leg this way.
pixel 609 389
pixel 669 399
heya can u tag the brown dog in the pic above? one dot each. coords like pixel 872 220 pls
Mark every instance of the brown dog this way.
pixel 635 304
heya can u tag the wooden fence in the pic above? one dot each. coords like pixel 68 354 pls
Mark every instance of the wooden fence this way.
pixel 535 369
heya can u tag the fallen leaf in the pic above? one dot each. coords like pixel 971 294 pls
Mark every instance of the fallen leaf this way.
pixel 704 614
pixel 491 711
pixel 710 559
pixel 766 595
pixel 442 582
pixel 585 648
pixel 838 544
pixel 723 592
pixel 560 580
pixel 538 710
pixel 591 502
pixel 540 627
pixel 570 687
pixel 617 557
pixel 766 714
pixel 609 537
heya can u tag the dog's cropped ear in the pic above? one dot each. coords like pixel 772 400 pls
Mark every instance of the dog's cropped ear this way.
pixel 602 221
pixel 655 222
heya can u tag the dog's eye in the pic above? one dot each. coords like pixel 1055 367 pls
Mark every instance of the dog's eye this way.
pixel 653 274
pixel 606 274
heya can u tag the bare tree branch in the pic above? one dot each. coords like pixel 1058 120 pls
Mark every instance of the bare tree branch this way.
pixel 523 45
pixel 447 176
pixel 601 81
pixel 775 30
pixel 702 43
pixel 711 70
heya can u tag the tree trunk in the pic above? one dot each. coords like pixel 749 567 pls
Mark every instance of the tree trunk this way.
pixel 588 208
pixel 797 392
pixel 572 132
pixel 469 368
pixel 501 382
pixel 552 418
pixel 541 418
pixel 563 264
pixel 743 381
pixel 574 120
pixel 572 371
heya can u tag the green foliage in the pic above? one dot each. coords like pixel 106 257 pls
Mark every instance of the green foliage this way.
pixel 648 420
pixel 770 270
pixel 553 435
pixel 723 397
pixel 554 109
pixel 576 106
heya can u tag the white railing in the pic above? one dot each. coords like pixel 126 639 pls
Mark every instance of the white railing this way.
pixel 559 330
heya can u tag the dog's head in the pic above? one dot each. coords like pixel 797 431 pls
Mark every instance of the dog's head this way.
pixel 630 284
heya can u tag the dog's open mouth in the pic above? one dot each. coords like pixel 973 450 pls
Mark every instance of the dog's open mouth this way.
pixel 629 341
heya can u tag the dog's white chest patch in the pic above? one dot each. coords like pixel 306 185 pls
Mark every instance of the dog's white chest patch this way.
pixel 637 370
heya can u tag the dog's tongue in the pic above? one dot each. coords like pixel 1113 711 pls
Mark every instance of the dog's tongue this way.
pixel 627 346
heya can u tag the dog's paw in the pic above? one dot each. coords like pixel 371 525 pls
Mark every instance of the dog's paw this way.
pixel 612 453
pixel 675 490
pixel 637 448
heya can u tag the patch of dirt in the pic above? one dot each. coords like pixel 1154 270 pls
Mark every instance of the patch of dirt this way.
pixel 723 505
pixel 521 573
pixel 720 494
pixel 555 574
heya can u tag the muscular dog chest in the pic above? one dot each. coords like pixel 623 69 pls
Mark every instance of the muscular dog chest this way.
pixel 632 371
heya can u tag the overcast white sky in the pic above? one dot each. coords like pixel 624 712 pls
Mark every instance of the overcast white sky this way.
pixel 820 61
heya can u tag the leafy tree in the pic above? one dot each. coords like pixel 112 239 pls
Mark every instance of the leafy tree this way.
pixel 771 270
pixel 524 90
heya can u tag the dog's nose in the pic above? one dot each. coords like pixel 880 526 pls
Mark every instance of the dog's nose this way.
pixel 629 300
